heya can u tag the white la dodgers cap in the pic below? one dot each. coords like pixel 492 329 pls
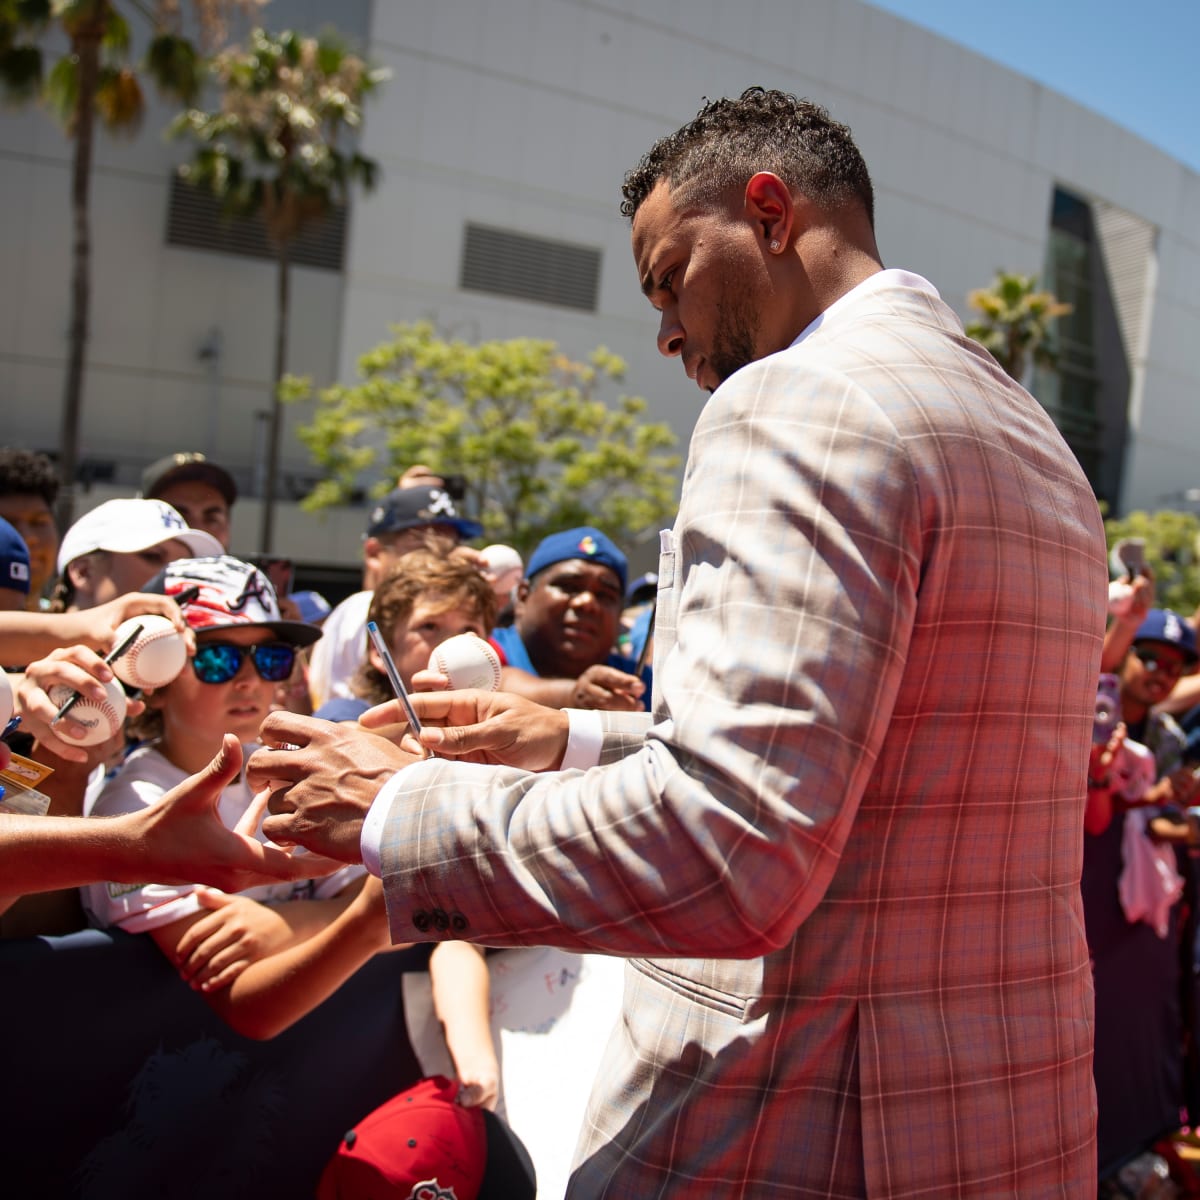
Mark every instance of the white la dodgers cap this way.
pixel 126 526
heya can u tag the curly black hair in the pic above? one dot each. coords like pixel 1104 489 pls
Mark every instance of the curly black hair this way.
pixel 728 141
pixel 27 473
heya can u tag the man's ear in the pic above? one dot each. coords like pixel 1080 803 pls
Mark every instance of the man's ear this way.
pixel 771 207
pixel 375 659
pixel 522 594
pixel 80 571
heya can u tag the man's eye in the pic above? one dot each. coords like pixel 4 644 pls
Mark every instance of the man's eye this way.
pixel 664 284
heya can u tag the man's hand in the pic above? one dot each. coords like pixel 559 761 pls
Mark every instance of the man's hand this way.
pixel 323 778
pixel 181 839
pixel 607 687
pixel 486 727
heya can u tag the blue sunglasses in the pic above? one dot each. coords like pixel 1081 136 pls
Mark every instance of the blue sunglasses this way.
pixel 219 662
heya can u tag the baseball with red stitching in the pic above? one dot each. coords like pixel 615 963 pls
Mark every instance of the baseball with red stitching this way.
pixel 467 661
pixel 101 719
pixel 155 658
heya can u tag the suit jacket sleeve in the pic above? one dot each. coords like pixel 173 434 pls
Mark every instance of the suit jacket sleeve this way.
pixel 782 631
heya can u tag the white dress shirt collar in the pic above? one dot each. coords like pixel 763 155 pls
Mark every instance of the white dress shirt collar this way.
pixel 839 311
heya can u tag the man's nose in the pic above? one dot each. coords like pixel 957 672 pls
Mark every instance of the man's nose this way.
pixel 670 335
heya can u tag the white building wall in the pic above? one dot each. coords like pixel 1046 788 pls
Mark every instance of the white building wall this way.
pixel 525 114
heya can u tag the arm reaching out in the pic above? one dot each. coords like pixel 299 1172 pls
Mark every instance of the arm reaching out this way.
pixel 179 840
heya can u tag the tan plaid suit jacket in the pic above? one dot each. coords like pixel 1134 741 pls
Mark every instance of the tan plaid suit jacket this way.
pixel 848 848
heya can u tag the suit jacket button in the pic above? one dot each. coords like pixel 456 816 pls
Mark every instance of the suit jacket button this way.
pixel 441 922
pixel 421 920
pixel 457 921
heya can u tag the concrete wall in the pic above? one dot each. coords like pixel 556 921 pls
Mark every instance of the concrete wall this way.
pixel 525 114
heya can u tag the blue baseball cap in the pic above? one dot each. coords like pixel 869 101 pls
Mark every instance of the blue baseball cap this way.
pixel 1163 625
pixel 584 543
pixel 14 560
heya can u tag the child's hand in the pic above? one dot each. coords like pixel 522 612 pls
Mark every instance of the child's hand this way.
pixel 479 1082
pixel 96 627
pixel 217 948
pixel 80 669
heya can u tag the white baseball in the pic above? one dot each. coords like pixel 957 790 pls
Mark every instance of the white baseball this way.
pixel 101 718
pixel 6 700
pixel 158 655
pixel 468 662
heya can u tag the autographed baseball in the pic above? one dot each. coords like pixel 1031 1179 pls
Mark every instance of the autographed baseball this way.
pixel 101 718
pixel 157 656
pixel 468 662
pixel 6 700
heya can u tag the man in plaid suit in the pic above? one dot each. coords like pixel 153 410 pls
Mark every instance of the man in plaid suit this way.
pixel 842 854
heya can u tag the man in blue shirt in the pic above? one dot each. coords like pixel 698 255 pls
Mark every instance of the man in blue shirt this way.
pixel 560 649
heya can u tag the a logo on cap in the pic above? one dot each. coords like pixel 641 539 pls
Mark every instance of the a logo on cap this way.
pixel 440 504
pixel 19 570
pixel 1172 629
pixel 430 1189
pixel 255 589
pixel 587 545
pixel 170 518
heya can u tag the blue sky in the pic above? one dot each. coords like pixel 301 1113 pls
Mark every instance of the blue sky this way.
pixel 1137 62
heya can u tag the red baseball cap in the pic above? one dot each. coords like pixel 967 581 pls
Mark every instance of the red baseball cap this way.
pixel 423 1145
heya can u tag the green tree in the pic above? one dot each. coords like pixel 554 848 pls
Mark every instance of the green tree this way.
pixel 1017 322
pixel 1172 552
pixel 94 79
pixel 275 147
pixel 523 422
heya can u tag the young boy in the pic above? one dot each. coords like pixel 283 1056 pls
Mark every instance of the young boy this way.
pixel 426 599
pixel 265 957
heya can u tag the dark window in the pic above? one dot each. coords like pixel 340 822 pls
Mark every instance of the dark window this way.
pixel 1087 391
pixel 195 220
pixel 529 268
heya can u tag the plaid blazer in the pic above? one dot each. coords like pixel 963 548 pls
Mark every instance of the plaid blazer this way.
pixel 843 854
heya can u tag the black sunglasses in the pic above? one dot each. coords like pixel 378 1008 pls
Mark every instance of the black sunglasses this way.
pixel 219 662
pixel 1152 662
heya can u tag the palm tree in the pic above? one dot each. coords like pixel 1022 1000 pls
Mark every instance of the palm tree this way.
pixel 93 79
pixel 273 148
pixel 1017 322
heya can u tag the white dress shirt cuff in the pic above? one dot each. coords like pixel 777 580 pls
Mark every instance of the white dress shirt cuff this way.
pixel 584 740
pixel 371 839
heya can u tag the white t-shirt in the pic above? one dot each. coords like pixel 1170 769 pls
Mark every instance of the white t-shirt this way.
pixel 343 646
pixel 137 907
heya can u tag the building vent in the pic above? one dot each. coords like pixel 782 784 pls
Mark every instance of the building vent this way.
pixel 195 220
pixel 529 268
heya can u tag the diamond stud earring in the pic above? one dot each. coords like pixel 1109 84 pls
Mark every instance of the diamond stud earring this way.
pixel 775 245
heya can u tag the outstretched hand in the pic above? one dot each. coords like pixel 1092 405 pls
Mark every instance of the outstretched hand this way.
pixel 486 727
pixel 181 839
pixel 322 778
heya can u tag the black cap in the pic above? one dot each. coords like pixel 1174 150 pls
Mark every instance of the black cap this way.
pixel 410 508
pixel 180 468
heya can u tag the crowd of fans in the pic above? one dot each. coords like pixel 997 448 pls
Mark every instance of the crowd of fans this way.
pixel 570 630
pixel 109 839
